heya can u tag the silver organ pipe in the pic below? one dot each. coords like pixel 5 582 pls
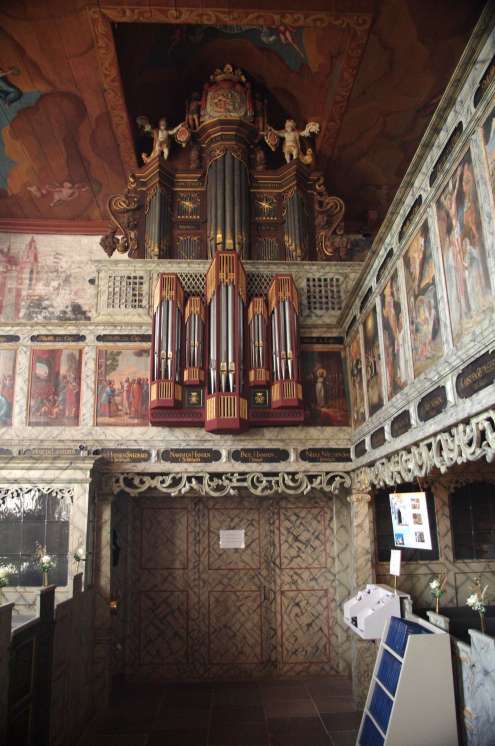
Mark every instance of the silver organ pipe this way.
pixel 284 308
pixel 227 201
pixel 213 345
pixel 257 321
pixel 166 341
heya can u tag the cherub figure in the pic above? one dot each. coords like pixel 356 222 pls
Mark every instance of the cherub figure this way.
pixel 161 137
pixel 292 140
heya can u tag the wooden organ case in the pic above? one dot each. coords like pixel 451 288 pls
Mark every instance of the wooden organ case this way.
pixel 220 358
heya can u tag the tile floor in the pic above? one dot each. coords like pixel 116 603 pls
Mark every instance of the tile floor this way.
pixel 309 712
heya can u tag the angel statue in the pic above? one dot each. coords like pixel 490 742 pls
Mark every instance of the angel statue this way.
pixel 292 140
pixel 161 136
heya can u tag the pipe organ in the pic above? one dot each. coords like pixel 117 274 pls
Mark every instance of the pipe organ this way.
pixel 222 359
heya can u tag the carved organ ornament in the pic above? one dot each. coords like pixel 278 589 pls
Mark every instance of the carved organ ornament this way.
pixel 225 361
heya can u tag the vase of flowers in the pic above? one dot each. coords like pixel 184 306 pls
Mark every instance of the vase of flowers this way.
pixel 476 601
pixel 5 572
pixel 44 561
pixel 437 590
pixel 79 556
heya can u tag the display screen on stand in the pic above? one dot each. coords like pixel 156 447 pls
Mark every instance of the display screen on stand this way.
pixel 410 520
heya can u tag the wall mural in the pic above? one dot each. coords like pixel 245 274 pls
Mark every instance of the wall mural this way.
pixel 463 250
pixel 7 383
pixel 122 386
pixel 489 143
pixel 424 322
pixel 372 362
pixel 323 385
pixel 394 337
pixel 40 280
pixel 356 376
pixel 55 386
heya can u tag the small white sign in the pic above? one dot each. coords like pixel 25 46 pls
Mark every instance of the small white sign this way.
pixel 410 520
pixel 232 539
pixel 395 555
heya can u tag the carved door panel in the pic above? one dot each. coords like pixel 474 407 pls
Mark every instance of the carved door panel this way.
pixel 163 602
pixel 238 613
pixel 306 606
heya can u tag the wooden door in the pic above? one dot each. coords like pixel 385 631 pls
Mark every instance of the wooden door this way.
pixel 199 611
pixel 305 583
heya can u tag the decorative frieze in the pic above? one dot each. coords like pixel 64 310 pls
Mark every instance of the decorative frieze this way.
pixel 464 442
pixel 221 485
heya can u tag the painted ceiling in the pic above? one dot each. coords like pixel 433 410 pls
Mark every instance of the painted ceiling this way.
pixel 73 78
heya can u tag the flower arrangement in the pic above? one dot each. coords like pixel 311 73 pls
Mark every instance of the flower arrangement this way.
pixel 79 556
pixel 476 601
pixel 437 590
pixel 5 571
pixel 44 561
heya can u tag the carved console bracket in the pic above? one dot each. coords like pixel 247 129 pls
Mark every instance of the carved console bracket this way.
pixel 220 485
pixel 467 441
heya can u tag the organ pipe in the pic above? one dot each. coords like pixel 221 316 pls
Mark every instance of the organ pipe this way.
pixel 295 233
pixel 227 202
pixel 194 317
pixel 284 310
pixel 166 341
pixel 257 326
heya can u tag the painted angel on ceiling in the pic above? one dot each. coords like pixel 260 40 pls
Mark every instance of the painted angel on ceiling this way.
pixel 292 140
pixel 161 136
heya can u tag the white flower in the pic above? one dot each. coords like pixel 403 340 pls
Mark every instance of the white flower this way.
pixel 79 554
pixel 46 559
pixel 434 584
pixel 472 600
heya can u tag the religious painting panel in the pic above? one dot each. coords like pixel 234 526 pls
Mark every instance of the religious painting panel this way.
pixel 46 278
pixel 356 382
pixel 394 343
pixel 324 385
pixel 55 386
pixel 7 383
pixel 122 387
pixel 422 298
pixel 489 143
pixel 373 362
pixel 463 250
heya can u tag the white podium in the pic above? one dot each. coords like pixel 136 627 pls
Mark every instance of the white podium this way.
pixel 369 610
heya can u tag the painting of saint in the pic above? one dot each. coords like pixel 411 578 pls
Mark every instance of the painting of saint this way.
pixel 422 299
pixel 373 362
pixel 463 250
pixel 394 346
pixel 489 143
pixel 356 379
pixel 123 386
pixel 323 385
pixel 7 382
pixel 55 387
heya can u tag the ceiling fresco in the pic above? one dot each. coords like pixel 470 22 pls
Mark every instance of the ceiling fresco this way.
pixel 72 83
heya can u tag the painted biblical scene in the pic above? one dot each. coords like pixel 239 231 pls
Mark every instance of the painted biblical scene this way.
pixel 394 342
pixel 463 250
pixel 123 387
pixel 373 362
pixel 356 380
pixel 7 383
pixel 424 321
pixel 324 385
pixel 45 278
pixel 489 143
pixel 55 387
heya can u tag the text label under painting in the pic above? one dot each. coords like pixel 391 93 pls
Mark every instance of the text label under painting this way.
pixel 432 404
pixel 8 338
pixel 123 455
pixel 50 338
pixel 476 376
pixel 190 455
pixel 123 338
pixel 324 455
pixel 260 455
pixel 50 452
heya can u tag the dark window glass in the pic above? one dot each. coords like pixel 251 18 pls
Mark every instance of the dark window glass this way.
pixel 472 510
pixel 384 531
pixel 25 520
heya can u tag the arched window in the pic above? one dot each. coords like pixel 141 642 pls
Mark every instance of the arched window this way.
pixel 472 511
pixel 383 526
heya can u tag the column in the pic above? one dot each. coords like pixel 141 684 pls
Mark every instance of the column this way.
pixel 362 572
pixel 102 571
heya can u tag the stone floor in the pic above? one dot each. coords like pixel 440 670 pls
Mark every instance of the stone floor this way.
pixel 308 712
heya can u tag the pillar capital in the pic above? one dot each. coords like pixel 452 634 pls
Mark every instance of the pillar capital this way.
pixel 359 497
